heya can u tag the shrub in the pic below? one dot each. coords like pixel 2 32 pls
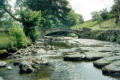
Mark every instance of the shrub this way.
pixel 111 38
pixel 18 36
pixel 118 39
pixel 5 41
pixel 73 35
pixel 98 35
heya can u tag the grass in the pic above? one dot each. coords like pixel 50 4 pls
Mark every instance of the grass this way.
pixel 107 24
pixel 5 41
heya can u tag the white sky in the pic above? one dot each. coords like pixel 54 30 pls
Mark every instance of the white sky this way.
pixel 85 7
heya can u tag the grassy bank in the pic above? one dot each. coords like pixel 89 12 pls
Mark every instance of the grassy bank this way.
pixel 104 25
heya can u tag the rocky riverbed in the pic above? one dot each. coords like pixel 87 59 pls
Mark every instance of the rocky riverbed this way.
pixel 63 58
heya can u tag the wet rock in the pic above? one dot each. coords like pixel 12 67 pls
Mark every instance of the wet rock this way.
pixel 30 64
pixel 94 56
pixel 16 63
pixel 12 50
pixel 25 67
pixel 3 63
pixel 1 78
pixel 105 61
pixel 9 67
pixel 113 69
pixel 75 57
pixel 4 54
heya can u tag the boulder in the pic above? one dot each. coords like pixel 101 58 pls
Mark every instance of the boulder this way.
pixel 25 67
pixel 9 67
pixel 105 61
pixel 4 54
pixel 112 69
pixel 74 57
pixel 96 55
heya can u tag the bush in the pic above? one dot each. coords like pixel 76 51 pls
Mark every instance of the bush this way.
pixel 118 39
pixel 111 38
pixel 5 41
pixel 18 36
pixel 98 35
pixel 73 35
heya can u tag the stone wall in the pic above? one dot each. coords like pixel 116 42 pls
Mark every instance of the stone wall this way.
pixel 105 35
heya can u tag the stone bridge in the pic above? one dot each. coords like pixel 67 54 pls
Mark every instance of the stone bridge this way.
pixel 77 32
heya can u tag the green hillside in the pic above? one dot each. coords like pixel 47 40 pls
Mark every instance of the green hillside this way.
pixel 107 24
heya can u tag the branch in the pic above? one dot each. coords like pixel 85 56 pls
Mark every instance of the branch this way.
pixel 17 19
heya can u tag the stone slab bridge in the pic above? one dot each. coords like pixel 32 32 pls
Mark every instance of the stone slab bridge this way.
pixel 79 32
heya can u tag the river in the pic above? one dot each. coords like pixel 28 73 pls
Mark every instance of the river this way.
pixel 65 70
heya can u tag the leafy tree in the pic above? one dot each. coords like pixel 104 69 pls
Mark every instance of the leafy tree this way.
pixel 81 19
pixel 51 10
pixel 104 14
pixel 72 19
pixel 95 15
pixel 116 10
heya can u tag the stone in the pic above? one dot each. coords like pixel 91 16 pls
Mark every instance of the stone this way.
pixel 12 50
pixel 3 63
pixel 1 78
pixel 105 61
pixel 4 54
pixel 25 67
pixel 74 57
pixel 94 56
pixel 9 67
pixel 112 69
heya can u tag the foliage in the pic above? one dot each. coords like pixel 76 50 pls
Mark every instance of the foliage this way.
pixel 30 19
pixel 6 42
pixel 18 36
pixel 73 35
pixel 34 34
pixel 72 19
pixel 104 14
pixel 81 20
pixel 89 24
pixel 58 10
pixel 116 10
pixel 118 39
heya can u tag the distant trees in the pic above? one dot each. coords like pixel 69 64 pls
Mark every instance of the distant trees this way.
pixel 116 10
pixel 81 19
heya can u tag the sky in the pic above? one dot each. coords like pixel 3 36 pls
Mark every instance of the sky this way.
pixel 85 7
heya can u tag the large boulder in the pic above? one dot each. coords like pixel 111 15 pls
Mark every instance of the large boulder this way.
pixel 105 61
pixel 30 64
pixel 113 69
pixel 25 67
pixel 91 56
pixel 4 54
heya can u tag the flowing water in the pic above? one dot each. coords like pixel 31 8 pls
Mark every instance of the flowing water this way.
pixel 59 70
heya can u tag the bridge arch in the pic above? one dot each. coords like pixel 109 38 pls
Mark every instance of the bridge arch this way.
pixel 50 31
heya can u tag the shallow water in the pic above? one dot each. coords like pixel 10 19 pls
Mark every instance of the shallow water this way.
pixel 63 70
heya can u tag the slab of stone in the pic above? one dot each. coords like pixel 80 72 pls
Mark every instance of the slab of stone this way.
pixel 112 69
pixel 105 61
pixel 75 57
pixel 96 55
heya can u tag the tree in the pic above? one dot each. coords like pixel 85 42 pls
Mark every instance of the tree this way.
pixel 71 19
pixel 30 19
pixel 95 15
pixel 56 9
pixel 116 9
pixel 104 14
pixel 81 18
